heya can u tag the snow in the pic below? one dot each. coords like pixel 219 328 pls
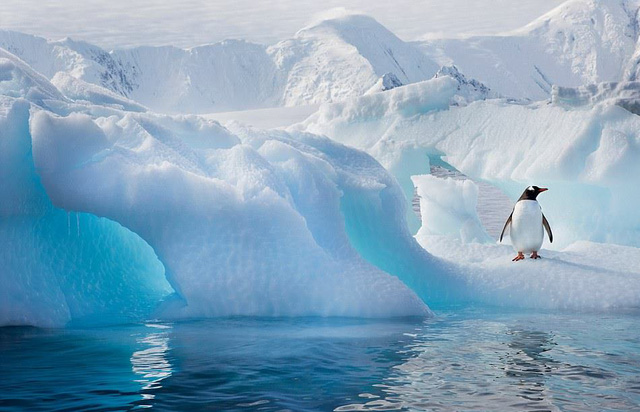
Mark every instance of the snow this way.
pixel 17 79
pixel 133 215
pixel 584 276
pixel 77 89
pixel 271 118
pixel 580 42
pixel 111 211
pixel 587 156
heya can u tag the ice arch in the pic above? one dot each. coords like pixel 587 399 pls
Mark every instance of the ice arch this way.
pixel 58 267
pixel 243 226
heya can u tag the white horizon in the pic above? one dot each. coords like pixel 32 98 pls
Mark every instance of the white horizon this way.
pixel 120 24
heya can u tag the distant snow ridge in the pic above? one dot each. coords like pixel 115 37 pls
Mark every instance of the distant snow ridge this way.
pixel 469 89
pixel 580 42
pixel 332 60
pixel 344 56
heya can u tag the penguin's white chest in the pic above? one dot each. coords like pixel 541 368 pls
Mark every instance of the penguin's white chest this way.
pixel 526 226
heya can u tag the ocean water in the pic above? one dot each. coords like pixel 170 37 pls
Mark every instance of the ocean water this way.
pixel 463 359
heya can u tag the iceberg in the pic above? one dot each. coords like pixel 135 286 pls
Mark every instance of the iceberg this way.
pixel 115 215
pixel 111 212
pixel 587 154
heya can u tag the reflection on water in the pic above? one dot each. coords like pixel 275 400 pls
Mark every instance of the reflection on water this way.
pixel 499 364
pixel 471 359
pixel 528 364
pixel 151 364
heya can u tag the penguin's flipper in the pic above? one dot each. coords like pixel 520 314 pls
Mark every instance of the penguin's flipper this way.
pixel 505 225
pixel 546 225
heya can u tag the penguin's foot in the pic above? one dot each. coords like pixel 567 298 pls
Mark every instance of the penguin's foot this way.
pixel 535 255
pixel 519 257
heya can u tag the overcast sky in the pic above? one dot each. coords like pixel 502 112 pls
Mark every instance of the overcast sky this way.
pixel 187 23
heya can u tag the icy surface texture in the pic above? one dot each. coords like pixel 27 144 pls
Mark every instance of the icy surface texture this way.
pixel 233 224
pixel 623 94
pixel 55 266
pixel 448 208
pixel 588 157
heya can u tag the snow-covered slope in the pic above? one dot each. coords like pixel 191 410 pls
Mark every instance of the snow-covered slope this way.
pixel 343 57
pixel 230 75
pixel 580 42
pixel 331 60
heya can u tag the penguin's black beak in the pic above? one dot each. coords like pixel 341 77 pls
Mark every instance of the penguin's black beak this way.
pixel 542 189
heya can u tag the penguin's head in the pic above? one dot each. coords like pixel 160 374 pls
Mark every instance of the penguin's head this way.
pixel 532 192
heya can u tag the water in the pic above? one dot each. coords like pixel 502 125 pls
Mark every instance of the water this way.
pixel 466 359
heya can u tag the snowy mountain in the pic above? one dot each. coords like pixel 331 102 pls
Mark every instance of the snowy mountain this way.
pixel 331 60
pixel 344 57
pixel 580 42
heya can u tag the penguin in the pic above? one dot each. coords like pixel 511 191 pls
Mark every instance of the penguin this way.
pixel 527 222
